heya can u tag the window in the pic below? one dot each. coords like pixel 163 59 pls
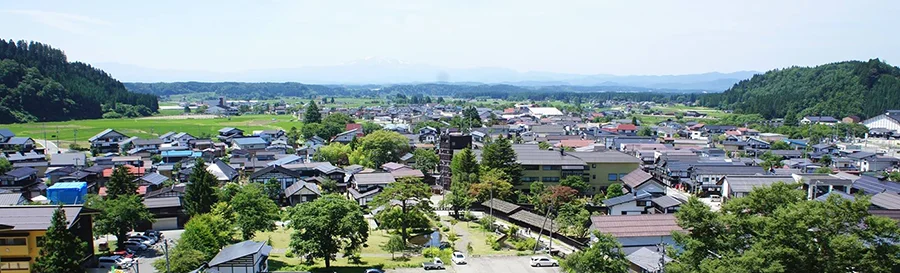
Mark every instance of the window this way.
pixel 12 242
pixel 531 167
pixel 550 179
pixel 529 179
pixel 612 177
pixel 622 175
pixel 550 167
pixel 594 176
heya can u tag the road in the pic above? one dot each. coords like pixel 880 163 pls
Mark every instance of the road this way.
pixel 511 264
pixel 50 147
pixel 146 258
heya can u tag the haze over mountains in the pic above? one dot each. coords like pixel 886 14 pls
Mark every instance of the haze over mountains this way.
pixel 388 71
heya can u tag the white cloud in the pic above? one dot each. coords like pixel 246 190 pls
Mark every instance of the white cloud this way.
pixel 73 23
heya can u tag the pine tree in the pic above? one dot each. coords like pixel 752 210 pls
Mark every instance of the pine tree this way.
pixel 121 183
pixel 312 114
pixel 62 250
pixel 499 154
pixel 200 194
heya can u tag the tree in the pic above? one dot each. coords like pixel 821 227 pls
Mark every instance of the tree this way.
pixel 604 255
pixel 62 250
pixel 327 225
pixel 764 231
pixel 826 160
pixel 187 109
pixel 464 163
pixel 536 190
pixel 645 131
pixel 254 210
pixel 5 166
pixel 558 195
pixel 543 145
pixel 293 136
pixel 378 148
pixel 426 160
pixel 614 190
pixel 309 130
pixel 790 119
pixel 491 182
pixel 120 215
pixel 200 193
pixel 272 189
pixel 472 115
pixel 181 259
pixel 824 170
pixel 781 145
pixel 312 114
pixel 228 191
pixel 370 127
pixel 411 195
pixel 575 182
pixel 121 183
pixel 634 120
pixel 335 153
pixel 394 244
pixel 329 185
pixel 499 154
pixel 572 218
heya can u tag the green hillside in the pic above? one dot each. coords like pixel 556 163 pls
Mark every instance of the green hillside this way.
pixel 37 83
pixel 839 89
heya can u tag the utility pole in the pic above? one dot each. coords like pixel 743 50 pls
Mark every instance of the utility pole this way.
pixel 75 137
pixel 166 248
pixel 661 249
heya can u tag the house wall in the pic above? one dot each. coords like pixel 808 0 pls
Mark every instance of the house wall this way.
pixel 599 173
pixel 651 187
pixel 882 121
pixel 627 208
pixel 285 180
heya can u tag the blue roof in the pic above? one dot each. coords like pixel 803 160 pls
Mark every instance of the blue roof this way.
pixel 796 142
pixel 69 185
pixel 248 141
pixel 182 153
pixel 871 185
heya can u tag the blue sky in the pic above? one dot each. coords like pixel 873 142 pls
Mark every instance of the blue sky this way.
pixel 584 37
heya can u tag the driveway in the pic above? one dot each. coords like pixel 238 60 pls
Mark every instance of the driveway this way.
pixel 145 259
pixel 49 146
pixel 511 264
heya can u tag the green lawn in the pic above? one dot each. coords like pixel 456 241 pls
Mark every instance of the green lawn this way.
pixel 477 237
pixel 147 127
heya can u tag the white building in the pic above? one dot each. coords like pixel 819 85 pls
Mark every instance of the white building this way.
pixel 889 120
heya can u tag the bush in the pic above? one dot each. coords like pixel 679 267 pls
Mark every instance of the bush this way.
pixel 468 216
pixel 289 254
pixel 453 221
pixel 431 252
pixel 486 222
pixel 112 115
pixel 527 244
pixel 492 241
pixel 445 229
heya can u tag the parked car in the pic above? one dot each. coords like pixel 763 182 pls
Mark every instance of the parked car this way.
pixel 445 245
pixel 458 258
pixel 149 239
pixel 114 261
pixel 374 270
pixel 141 241
pixel 154 233
pixel 436 264
pixel 127 253
pixel 135 246
pixel 543 261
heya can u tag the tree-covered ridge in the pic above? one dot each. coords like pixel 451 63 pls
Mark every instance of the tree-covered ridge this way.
pixel 838 89
pixel 37 83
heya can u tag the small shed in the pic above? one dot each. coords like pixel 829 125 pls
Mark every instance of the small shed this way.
pixel 67 193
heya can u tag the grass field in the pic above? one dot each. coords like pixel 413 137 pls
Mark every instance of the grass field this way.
pixel 147 127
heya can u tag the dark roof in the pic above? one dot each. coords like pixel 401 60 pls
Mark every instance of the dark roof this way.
pixel 18 140
pixel 821 119
pixel 275 168
pixel 70 159
pixel 871 185
pixel 838 193
pixel 297 186
pixel 746 183
pixel 728 170
pixel 359 195
pixel 534 220
pixel 636 178
pixel 35 217
pixel 4 132
pixel 501 206
pixel 20 172
pixel 229 172
pixel 239 250
pixel 645 225
pixel 151 141
pixel 96 168
pixel 102 134
pixel 646 259
pixel 886 200
pixel 627 198
pixel 10 199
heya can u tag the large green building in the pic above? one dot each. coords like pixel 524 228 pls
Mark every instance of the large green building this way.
pixel 599 168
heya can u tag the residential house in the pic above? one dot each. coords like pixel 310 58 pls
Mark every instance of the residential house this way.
pixel 167 137
pixel 243 257
pixel 645 260
pixel 345 137
pixel 428 134
pixel 704 179
pixel 666 204
pixel 10 142
pixel 153 181
pixel 182 139
pixel 639 180
pixel 629 204
pixel 886 200
pixel 24 180
pixel 107 141
pixel 366 185
pixel 734 186
pixel 816 185
pixel 222 171
pixel 637 231
pixel 228 133
pixel 547 130
pixel 23 230
pixel 826 120
pixel 150 145
pixel 271 135
pixel 870 185
pixel 77 159
pixel 878 164
pixel 626 129
pixel 734 146
pixel 248 143
pixel 12 199
pixel 167 209
pixel 284 176
pixel 317 169
pixel 301 192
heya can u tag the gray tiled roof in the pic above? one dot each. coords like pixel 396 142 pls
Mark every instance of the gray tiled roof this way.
pixel 10 199
pixel 627 198
pixel 297 186
pixel 729 170
pixel 162 202
pixel 154 178
pixel 646 225
pixel 373 178
pixel 501 206
pixel 646 259
pixel 886 200
pixel 34 217
pixel 745 183
pixel 636 178
pixel 666 201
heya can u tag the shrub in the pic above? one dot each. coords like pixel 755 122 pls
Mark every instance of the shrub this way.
pixel 445 229
pixel 453 222
pixel 289 254
pixel 468 216
pixel 527 244
pixel 492 241
pixel 486 222
pixel 431 252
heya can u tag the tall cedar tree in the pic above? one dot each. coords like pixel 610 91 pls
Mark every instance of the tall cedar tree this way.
pixel 121 183
pixel 471 114
pixel 200 194
pixel 463 172
pixel 411 195
pixel 62 250
pixel 499 154
pixel 254 210
pixel 326 226
pixel 312 114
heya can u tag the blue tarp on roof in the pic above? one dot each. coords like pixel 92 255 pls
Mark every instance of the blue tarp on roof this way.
pixel 181 154
pixel 67 193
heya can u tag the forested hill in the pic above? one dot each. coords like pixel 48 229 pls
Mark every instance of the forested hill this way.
pixel 37 83
pixel 839 89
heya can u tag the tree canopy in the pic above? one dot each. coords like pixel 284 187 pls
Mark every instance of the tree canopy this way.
pixel 326 226
pixel 378 148
pixel 498 154
pixel 254 210
pixel 426 160
pixel 604 255
pixel 62 250
pixel 411 195
pixel 312 114
pixel 200 193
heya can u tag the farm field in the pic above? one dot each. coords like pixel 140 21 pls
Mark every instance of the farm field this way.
pixel 81 130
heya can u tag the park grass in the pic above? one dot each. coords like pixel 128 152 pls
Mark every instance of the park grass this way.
pixel 477 237
pixel 146 127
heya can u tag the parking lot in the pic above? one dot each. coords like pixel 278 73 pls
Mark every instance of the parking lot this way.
pixel 513 264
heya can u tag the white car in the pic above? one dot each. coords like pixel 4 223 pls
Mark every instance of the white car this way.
pixel 458 258
pixel 148 239
pixel 543 261
pixel 114 261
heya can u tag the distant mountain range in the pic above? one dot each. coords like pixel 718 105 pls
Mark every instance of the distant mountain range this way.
pixel 386 71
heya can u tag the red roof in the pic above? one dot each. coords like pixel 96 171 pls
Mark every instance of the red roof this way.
pixel 626 127
pixel 141 190
pixel 733 133
pixel 509 111
pixel 138 171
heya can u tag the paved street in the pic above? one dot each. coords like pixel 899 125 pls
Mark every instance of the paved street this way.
pixel 50 147
pixel 511 264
